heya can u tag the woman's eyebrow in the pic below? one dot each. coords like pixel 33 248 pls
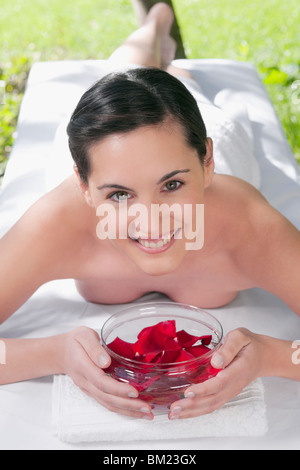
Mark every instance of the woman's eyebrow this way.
pixel 173 173
pixel 115 186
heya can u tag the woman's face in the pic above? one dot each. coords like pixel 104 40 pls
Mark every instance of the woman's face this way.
pixel 146 186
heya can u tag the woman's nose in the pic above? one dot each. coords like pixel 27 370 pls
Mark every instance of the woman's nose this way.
pixel 153 220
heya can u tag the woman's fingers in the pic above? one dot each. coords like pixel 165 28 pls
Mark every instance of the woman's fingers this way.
pixel 126 406
pixel 207 397
pixel 87 355
pixel 115 396
pixel 234 342
pixel 90 341
pixel 238 357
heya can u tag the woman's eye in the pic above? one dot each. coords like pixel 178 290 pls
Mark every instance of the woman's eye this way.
pixel 119 196
pixel 172 185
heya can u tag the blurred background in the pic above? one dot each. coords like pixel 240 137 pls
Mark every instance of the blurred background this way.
pixel 265 33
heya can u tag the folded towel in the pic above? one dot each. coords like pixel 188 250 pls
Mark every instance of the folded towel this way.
pixel 79 418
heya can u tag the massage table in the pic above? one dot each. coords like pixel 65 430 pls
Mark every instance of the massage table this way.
pixel 52 92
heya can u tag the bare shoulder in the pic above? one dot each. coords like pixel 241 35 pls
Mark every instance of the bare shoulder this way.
pixel 237 206
pixel 266 244
pixel 236 188
pixel 60 211
pixel 64 221
pixel 252 216
pixel 63 198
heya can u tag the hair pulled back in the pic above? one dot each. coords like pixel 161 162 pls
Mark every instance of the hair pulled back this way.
pixel 124 101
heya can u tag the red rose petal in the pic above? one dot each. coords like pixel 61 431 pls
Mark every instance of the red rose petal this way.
pixel 164 328
pixel 199 350
pixel 153 338
pixel 168 356
pixel 150 357
pixel 206 339
pixel 171 345
pixel 123 348
pixel 184 355
pixel 185 339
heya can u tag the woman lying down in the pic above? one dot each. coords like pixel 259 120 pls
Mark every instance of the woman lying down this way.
pixel 138 140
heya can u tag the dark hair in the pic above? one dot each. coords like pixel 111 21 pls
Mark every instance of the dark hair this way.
pixel 124 101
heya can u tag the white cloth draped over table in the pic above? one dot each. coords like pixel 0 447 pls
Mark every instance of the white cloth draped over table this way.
pixel 26 408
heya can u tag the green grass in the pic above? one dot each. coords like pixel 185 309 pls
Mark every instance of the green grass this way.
pixel 264 33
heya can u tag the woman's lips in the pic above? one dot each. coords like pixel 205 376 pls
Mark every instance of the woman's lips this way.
pixel 155 245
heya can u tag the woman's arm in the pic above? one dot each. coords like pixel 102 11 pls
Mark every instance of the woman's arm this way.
pixel 30 358
pixel 78 354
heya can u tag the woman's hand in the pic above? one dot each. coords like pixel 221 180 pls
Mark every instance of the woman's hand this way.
pixel 241 358
pixel 85 360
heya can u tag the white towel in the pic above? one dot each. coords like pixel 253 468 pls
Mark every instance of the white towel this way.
pixel 228 124
pixel 79 418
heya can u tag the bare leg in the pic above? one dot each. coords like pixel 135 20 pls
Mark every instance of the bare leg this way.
pixel 151 45
pixel 144 46
pixel 141 8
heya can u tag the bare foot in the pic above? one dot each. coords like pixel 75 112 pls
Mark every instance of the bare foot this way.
pixel 163 16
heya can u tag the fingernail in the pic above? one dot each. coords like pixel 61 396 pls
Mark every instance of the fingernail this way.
pixel 174 413
pixel 133 394
pixel 175 416
pixel 147 416
pixel 103 360
pixel 176 410
pixel 145 410
pixel 217 361
pixel 189 395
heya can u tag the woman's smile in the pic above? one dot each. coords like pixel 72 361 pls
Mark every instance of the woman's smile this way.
pixel 153 246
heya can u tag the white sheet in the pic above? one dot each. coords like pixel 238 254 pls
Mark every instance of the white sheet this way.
pixel 52 92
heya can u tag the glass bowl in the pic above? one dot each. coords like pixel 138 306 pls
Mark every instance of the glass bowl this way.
pixel 158 381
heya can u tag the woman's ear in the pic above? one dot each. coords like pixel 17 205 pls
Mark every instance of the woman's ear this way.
pixel 84 187
pixel 209 164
